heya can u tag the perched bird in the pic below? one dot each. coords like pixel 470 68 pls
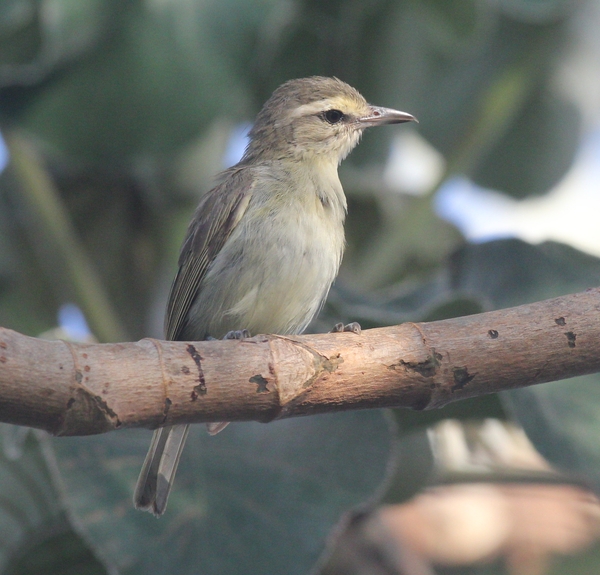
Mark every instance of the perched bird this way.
pixel 265 244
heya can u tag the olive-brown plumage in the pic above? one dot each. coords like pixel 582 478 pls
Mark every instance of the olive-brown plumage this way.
pixel 265 244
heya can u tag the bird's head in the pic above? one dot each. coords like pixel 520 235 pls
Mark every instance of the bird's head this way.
pixel 314 118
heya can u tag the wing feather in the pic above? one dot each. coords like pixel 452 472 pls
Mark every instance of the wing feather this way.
pixel 217 215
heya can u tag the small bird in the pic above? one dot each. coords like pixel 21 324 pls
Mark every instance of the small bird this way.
pixel 265 244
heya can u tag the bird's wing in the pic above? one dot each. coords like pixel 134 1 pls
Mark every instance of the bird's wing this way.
pixel 217 215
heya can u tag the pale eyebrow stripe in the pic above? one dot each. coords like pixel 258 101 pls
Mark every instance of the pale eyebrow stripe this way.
pixel 315 107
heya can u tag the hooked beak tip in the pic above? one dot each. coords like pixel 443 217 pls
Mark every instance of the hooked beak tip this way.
pixel 381 116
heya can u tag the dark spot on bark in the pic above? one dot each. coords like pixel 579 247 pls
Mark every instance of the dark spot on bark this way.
pixel 571 337
pixel 493 333
pixel 261 383
pixel 194 395
pixel 78 376
pixel 107 410
pixel 87 368
pixel 425 368
pixel 2 359
pixel 60 366
pixel 91 415
pixel 185 369
pixel 560 321
pixel 200 389
pixel 271 369
pixel 85 356
pixel 3 345
pixel 166 408
pixel 461 377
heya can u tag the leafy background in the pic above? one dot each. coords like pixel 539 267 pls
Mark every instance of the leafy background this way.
pixel 117 114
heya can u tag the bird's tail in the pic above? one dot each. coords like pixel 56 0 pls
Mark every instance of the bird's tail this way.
pixel 158 472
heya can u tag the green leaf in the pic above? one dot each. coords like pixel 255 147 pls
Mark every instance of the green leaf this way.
pixel 587 561
pixel 561 418
pixel 36 38
pixel 35 535
pixel 456 18
pixel 537 150
pixel 537 11
pixel 148 88
pixel 254 499
pixel 506 273
pixel 26 303
pixel 54 549
pixel 476 90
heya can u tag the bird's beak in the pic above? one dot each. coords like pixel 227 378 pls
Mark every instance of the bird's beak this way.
pixel 380 116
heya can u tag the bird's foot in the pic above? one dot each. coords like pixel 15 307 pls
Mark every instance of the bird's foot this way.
pixel 237 334
pixel 354 327
pixel 216 426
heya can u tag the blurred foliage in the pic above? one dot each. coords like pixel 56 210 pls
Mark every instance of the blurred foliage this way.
pixel 37 536
pixel 259 499
pixel 117 115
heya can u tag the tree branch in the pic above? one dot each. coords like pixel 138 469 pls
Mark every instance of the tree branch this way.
pixel 81 389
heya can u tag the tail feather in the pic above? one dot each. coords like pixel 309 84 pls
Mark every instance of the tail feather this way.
pixel 158 472
pixel 145 489
pixel 168 466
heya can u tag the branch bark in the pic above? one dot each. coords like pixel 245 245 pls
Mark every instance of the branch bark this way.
pixel 81 389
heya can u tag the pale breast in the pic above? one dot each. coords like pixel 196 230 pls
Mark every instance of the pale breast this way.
pixel 276 269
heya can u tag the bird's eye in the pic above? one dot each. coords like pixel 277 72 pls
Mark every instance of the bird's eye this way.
pixel 333 116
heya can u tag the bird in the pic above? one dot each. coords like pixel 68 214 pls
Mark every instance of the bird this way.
pixel 265 244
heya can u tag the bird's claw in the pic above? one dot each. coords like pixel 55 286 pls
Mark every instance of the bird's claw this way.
pixel 353 327
pixel 237 334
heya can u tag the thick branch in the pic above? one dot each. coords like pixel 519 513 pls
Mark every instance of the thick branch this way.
pixel 79 389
